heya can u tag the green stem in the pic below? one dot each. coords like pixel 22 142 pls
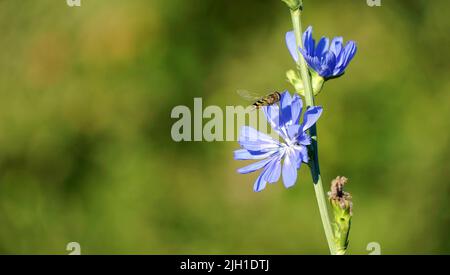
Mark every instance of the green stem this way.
pixel 314 162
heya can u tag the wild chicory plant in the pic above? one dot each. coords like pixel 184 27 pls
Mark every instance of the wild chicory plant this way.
pixel 291 147
pixel 298 140
pixel 325 60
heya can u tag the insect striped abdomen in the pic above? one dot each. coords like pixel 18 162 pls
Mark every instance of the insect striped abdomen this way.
pixel 267 100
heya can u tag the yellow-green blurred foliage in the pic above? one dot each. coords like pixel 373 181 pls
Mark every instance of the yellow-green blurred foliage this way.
pixel 86 153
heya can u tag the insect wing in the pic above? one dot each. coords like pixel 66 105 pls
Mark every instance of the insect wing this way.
pixel 249 96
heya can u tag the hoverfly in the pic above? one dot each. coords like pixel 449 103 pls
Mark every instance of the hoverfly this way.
pixel 258 100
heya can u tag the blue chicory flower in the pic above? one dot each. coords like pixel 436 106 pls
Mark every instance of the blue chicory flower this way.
pixel 328 60
pixel 290 148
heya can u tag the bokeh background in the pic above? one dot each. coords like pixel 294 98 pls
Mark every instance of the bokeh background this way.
pixel 86 153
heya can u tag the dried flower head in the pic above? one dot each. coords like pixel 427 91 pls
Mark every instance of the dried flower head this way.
pixel 338 195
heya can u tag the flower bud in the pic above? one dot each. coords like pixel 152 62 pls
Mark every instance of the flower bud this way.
pixel 316 80
pixel 341 203
pixel 296 81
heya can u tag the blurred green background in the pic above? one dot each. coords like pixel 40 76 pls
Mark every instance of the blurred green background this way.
pixel 86 153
